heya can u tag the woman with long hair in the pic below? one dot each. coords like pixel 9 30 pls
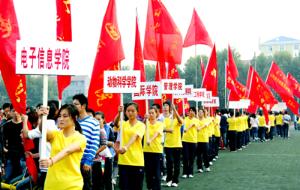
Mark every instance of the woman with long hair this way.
pixel 67 149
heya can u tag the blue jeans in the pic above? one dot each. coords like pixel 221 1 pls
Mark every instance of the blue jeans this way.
pixel 254 133
pixel 13 169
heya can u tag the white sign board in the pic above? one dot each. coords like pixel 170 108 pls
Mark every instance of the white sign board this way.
pixel 208 95
pixel 173 86
pixel 234 104
pixel 213 102
pixel 241 104
pixel 199 94
pixel 148 91
pixel 187 92
pixel 122 81
pixel 54 58
pixel 279 107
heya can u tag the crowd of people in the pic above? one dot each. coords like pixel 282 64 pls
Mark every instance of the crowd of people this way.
pixel 84 151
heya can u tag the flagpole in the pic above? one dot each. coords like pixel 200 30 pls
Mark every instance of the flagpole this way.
pixel 44 118
pixel 196 65
pixel 147 125
pixel 121 114
pixel 226 105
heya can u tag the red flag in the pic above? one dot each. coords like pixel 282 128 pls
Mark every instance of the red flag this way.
pixel 109 54
pixel 210 79
pixel 197 33
pixel 252 107
pixel 161 31
pixel 231 65
pixel 294 85
pixel 9 34
pixel 139 65
pixel 279 82
pixel 260 94
pixel 202 67
pixel 63 33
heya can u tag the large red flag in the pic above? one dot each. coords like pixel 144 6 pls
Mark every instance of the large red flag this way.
pixel 161 30
pixel 109 54
pixel 210 79
pixel 15 84
pixel 9 34
pixel 279 82
pixel 231 65
pixel 197 33
pixel 260 94
pixel 63 33
pixel 294 85
pixel 139 65
pixel 252 107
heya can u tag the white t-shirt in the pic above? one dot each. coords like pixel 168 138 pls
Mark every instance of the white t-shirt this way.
pixel 36 133
pixel 254 122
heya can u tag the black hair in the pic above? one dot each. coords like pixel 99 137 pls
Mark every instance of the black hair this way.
pixel 7 105
pixel 73 112
pixel 91 111
pixel 53 107
pixel 135 105
pixel 193 109
pixel 101 114
pixel 168 103
pixel 157 106
pixel 33 117
pixel 82 99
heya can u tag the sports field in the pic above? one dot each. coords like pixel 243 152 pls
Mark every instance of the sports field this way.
pixel 269 165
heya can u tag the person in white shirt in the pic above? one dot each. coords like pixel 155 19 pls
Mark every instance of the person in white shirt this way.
pixel 286 123
pixel 254 127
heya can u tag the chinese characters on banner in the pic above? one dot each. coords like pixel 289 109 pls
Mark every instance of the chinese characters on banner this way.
pixel 173 86
pixel 241 104
pixel 199 94
pixel 187 94
pixel 213 102
pixel 148 90
pixel 49 58
pixel 122 81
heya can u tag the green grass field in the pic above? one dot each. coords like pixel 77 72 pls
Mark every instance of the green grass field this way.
pixel 269 165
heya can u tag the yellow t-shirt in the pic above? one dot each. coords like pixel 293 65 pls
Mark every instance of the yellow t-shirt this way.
pixel 134 156
pixel 217 132
pixel 272 120
pixel 239 124
pixel 203 133
pixel 245 119
pixel 65 174
pixel 155 146
pixel 279 119
pixel 232 123
pixel 210 126
pixel 172 140
pixel 261 121
pixel 191 134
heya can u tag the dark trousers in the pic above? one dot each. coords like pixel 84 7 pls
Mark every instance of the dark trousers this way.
pixel 278 129
pixel 101 180
pixel 41 180
pixel 189 150
pixel 262 133
pixel 239 139
pixel 202 155
pixel 131 177
pixel 87 178
pixel 271 133
pixel 211 149
pixel 152 170
pixel 224 136
pixel 216 146
pixel 232 140
pixel 285 130
pixel 173 164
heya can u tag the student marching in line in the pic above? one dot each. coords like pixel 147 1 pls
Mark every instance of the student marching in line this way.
pixel 67 147
pixel 279 123
pixel 286 123
pixel 189 143
pixel 232 131
pixel 261 127
pixel 271 124
pixel 173 144
pixel 217 135
pixel 131 156
pixel 153 150
pixel 202 143
pixel 239 129
pixel 254 127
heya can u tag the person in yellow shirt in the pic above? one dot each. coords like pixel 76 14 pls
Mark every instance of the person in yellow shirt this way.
pixel 232 131
pixel 68 146
pixel 279 123
pixel 153 150
pixel 271 124
pixel 261 127
pixel 239 129
pixel 173 144
pixel 202 142
pixel 131 156
pixel 217 134
pixel 189 143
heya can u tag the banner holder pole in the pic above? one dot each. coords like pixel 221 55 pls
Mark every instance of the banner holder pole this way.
pixel 44 118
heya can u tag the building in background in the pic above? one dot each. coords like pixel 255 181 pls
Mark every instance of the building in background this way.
pixel 280 44
pixel 79 84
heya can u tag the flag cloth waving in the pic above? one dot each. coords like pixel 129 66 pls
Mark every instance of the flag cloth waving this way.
pixel 294 85
pixel 109 54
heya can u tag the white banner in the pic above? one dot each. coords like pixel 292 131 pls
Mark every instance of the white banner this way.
pixel 148 91
pixel 234 104
pixel 241 104
pixel 51 58
pixel 173 86
pixel 208 95
pixel 122 81
pixel 213 102
pixel 279 107
pixel 187 94
pixel 199 94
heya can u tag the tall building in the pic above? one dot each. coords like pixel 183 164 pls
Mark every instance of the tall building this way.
pixel 79 84
pixel 280 44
